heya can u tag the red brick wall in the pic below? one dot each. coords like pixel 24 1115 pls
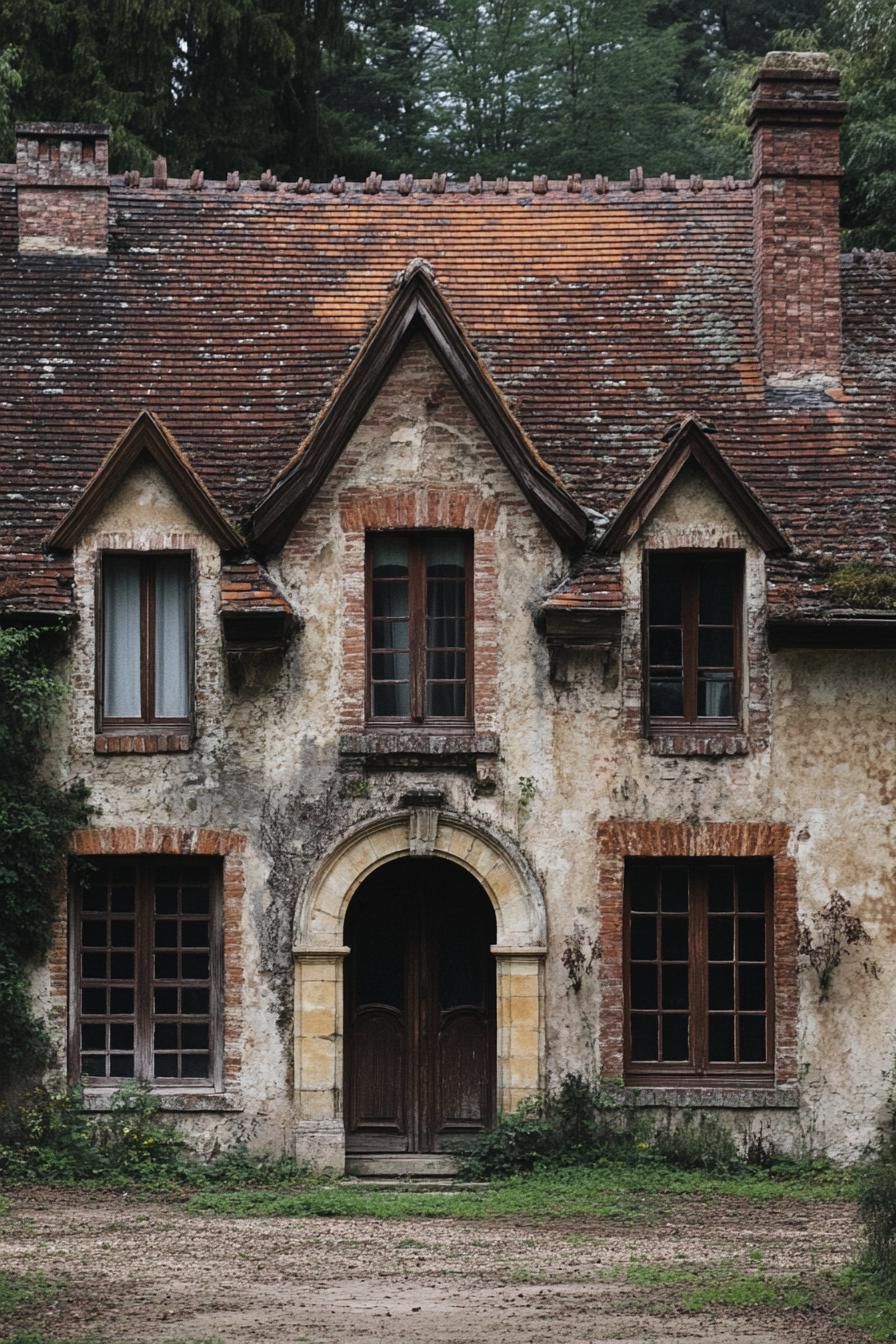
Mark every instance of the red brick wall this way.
pixel 63 219
pixel 128 840
pixel 796 221
pixel 619 840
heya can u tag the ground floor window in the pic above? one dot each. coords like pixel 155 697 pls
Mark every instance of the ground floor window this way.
pixel 698 954
pixel 146 973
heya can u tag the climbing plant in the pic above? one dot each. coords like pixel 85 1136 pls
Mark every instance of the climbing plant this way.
pixel 37 816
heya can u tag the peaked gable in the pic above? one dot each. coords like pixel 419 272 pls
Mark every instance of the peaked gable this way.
pixel 690 442
pixel 145 435
pixel 417 306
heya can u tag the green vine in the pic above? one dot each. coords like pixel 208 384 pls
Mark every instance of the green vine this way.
pixel 37 817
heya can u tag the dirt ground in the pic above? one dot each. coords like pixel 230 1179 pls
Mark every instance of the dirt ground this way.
pixel 135 1270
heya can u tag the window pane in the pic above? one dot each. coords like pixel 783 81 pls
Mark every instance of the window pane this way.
pixel 675 1037
pixel 674 884
pixel 643 990
pixel 675 987
pixel 720 882
pixel 446 700
pixel 721 938
pixel 390 556
pixel 751 889
pixel 445 601
pixel 675 938
pixel 445 556
pixel 721 1039
pixel 441 666
pixel 665 591
pixel 666 699
pixel 390 604
pixel 716 648
pixel 390 666
pixel 172 669
pixel 751 1039
pixel 391 700
pixel 644 1037
pixel 642 889
pixel 751 939
pixel 717 588
pixel 665 647
pixel 751 988
pixel 121 637
pixel 446 632
pixel 390 634
pixel 721 987
pixel 93 1001
pixel 715 695
pixel 643 938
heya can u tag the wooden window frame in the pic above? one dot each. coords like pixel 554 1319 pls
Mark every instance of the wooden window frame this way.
pixel 698 1071
pixel 148 719
pixel 689 721
pixel 416 539
pixel 144 1015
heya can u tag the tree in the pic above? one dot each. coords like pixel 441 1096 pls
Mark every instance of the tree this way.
pixel 37 817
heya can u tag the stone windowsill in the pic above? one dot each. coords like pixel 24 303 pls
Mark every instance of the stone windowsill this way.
pixel 150 743
pixel 170 1099
pixel 779 1096
pixel 415 745
pixel 699 744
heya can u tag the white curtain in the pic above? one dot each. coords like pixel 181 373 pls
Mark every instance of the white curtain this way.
pixel 121 638
pixel 172 639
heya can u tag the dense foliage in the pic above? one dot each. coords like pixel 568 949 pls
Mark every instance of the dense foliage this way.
pixel 36 819
pixel 492 86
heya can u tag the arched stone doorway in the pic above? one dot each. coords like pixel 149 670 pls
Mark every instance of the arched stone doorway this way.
pixel 419 1009
pixel 320 948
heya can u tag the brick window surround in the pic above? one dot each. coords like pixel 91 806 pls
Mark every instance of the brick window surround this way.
pixel 621 840
pixel 431 508
pixel 126 841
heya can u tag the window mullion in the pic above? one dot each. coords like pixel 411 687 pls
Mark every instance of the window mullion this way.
pixel 699 972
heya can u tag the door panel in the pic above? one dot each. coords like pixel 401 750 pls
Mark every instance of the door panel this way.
pixel 419 1009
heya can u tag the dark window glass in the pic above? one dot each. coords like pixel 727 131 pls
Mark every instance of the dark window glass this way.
pixel 145 991
pixel 698 979
pixel 146 645
pixel 418 626
pixel 693 637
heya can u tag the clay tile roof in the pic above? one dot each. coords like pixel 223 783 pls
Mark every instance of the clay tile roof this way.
pixel 248 590
pixel 600 311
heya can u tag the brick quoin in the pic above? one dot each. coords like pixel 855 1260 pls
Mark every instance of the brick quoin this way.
pixel 619 840
pixel 126 841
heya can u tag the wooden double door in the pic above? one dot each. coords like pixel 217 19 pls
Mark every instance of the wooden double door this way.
pixel 419 1010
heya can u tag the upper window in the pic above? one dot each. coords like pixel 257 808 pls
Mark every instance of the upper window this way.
pixel 698 970
pixel 146 951
pixel 419 603
pixel 147 620
pixel 693 639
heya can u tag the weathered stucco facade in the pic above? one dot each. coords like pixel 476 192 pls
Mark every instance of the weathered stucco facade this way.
pixel 554 784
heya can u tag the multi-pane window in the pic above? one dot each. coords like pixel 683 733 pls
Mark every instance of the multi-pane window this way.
pixel 693 638
pixel 419 626
pixel 698 968
pixel 146 947
pixel 147 623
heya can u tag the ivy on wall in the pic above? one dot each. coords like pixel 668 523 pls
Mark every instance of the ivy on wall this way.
pixel 37 817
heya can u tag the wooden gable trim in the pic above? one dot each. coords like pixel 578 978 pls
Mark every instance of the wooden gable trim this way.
pixel 147 435
pixel 690 442
pixel 416 305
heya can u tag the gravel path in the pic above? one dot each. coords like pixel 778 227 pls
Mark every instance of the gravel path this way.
pixel 132 1270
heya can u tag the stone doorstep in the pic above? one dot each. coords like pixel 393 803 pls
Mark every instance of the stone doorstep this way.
pixel 414 1166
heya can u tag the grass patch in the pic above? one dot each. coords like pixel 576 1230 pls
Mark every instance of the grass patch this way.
pixel 18 1291
pixel 867 1306
pixel 614 1190
pixel 720 1286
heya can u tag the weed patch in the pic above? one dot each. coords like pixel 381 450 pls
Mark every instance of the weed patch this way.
pixel 18 1291
pixel 868 1306
pixel 721 1285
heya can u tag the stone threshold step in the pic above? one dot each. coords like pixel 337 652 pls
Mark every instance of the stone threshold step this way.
pixel 414 1166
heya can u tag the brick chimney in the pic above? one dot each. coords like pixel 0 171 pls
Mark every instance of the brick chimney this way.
pixel 795 119
pixel 62 185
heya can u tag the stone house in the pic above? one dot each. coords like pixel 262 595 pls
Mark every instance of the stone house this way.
pixel 462 659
